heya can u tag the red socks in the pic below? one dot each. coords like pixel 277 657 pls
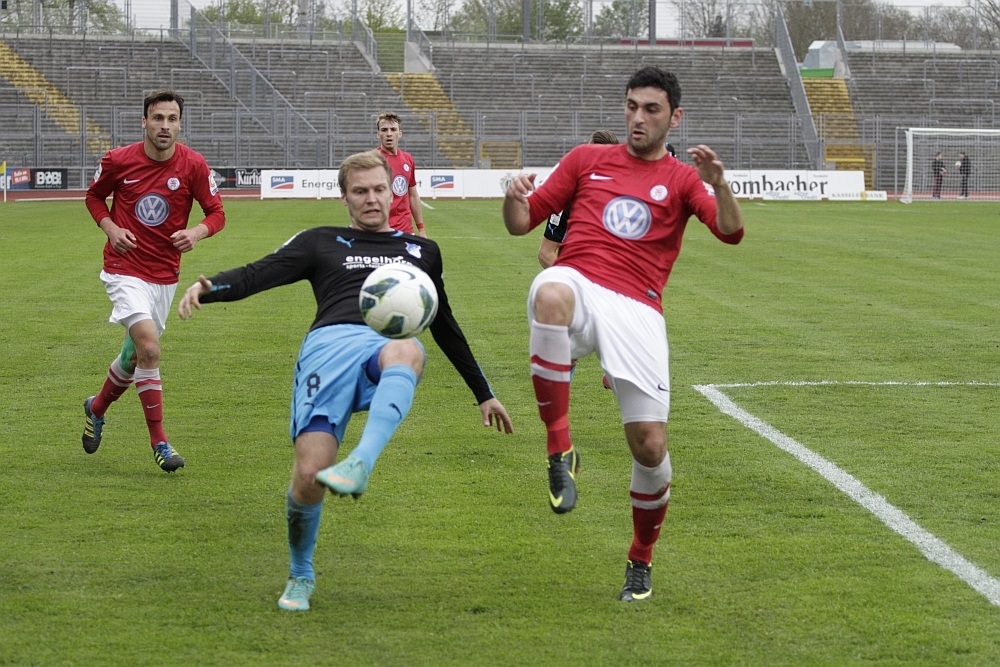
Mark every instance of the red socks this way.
pixel 147 383
pixel 650 494
pixel 550 375
pixel 116 384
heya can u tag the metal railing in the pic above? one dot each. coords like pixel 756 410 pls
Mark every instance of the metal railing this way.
pixel 417 36
pixel 787 55
pixel 253 92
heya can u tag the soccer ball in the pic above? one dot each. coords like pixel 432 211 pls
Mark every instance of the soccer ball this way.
pixel 958 164
pixel 398 300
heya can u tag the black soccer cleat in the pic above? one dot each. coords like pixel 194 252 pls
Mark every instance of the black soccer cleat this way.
pixel 92 428
pixel 638 582
pixel 167 457
pixel 563 467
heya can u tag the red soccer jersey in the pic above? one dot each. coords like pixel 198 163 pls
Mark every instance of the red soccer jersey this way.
pixel 627 218
pixel 152 200
pixel 404 177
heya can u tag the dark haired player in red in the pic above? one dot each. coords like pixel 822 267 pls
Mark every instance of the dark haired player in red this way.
pixel 631 203
pixel 406 208
pixel 154 183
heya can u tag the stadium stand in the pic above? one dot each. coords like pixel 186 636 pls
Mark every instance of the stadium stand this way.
pixel 289 102
pixel 553 97
pixel 893 89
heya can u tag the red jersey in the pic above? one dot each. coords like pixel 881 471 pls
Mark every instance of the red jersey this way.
pixel 628 216
pixel 152 200
pixel 404 177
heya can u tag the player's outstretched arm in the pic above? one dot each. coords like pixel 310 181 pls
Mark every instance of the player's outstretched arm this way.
pixel 729 218
pixel 192 296
pixel 516 213
pixel 495 413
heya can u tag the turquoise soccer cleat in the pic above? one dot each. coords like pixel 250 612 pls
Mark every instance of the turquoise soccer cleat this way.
pixel 297 594
pixel 347 478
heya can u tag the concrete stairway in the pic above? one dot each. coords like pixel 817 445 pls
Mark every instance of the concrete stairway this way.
pixel 421 93
pixel 391 50
pixel 833 114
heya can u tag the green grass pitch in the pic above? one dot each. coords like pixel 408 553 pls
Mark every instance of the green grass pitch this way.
pixel 453 557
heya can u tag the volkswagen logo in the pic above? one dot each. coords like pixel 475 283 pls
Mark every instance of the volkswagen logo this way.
pixel 400 186
pixel 627 218
pixel 152 210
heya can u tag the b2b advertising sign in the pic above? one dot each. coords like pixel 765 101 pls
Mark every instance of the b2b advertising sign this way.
pixel 37 179
pixel 49 179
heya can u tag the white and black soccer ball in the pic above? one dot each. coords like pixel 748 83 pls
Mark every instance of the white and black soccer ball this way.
pixel 958 164
pixel 398 300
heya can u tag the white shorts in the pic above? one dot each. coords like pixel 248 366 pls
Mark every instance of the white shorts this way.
pixel 629 338
pixel 135 300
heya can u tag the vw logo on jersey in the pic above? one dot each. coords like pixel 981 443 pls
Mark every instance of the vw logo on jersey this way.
pixel 400 186
pixel 627 218
pixel 152 210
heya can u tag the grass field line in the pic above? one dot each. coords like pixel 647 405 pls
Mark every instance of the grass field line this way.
pixel 930 546
pixel 860 383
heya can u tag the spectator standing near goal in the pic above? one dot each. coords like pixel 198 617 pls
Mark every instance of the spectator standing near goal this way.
pixel 344 366
pixel 964 170
pixel 938 169
pixel 154 183
pixel 630 206
pixel 555 229
pixel 406 207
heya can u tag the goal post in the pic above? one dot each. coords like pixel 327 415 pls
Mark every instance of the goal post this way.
pixel 929 179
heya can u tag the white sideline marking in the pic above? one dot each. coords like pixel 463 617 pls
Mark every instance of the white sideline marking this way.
pixel 426 205
pixel 832 383
pixel 931 547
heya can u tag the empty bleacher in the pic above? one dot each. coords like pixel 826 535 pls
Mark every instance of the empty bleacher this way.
pixel 891 90
pixel 551 98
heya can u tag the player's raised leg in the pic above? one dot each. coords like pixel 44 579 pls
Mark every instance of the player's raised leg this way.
pixel 396 368
pixel 650 493
pixel 315 449
pixel 551 366
pixel 119 379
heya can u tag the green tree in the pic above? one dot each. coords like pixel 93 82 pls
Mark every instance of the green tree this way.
pixel 623 18
pixel 474 17
pixel 103 16
pixel 382 15
pixel 557 20
pixel 251 12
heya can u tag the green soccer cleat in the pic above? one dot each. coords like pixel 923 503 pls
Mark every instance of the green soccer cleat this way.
pixel 563 467
pixel 297 594
pixel 167 457
pixel 92 428
pixel 347 478
pixel 638 583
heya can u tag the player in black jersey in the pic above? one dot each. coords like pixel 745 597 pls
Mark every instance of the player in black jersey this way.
pixel 344 366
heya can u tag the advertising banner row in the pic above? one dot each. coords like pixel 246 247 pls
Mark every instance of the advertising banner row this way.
pixel 491 183
pixel 56 179
pixel 486 183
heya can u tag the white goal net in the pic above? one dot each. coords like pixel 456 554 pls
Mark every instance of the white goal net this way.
pixel 937 169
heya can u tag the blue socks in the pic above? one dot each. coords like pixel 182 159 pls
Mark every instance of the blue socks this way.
pixel 390 404
pixel 303 526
